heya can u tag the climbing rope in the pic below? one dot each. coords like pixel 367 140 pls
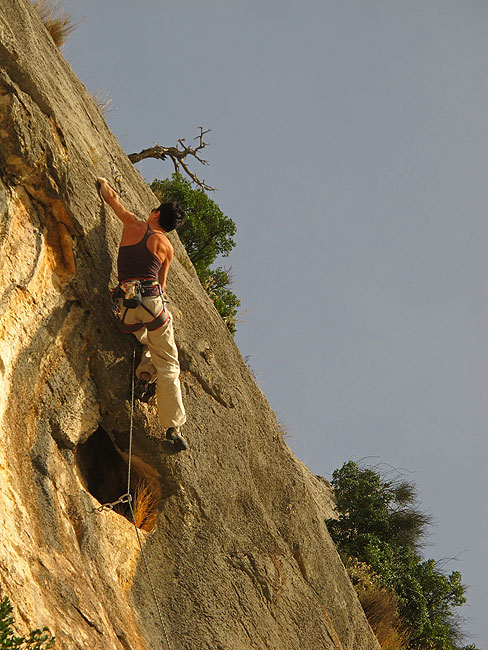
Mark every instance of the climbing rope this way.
pixel 149 576
pixel 131 425
pixel 127 498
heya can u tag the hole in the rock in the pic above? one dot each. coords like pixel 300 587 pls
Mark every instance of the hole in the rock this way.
pixel 104 474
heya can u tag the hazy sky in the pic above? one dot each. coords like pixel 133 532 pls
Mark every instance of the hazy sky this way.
pixel 349 144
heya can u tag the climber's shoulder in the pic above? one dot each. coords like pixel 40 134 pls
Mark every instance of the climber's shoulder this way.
pixel 133 231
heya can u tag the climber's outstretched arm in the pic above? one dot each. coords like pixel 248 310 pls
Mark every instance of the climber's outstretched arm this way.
pixel 110 197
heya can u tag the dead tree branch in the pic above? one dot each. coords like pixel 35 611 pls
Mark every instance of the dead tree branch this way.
pixel 178 156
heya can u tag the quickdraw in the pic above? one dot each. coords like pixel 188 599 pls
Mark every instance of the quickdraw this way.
pixel 117 176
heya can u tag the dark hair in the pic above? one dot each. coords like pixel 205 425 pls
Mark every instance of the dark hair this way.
pixel 171 215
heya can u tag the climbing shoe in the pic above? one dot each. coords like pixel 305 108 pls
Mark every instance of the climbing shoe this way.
pixel 144 390
pixel 179 442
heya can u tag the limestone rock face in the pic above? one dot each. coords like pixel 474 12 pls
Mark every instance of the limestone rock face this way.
pixel 240 558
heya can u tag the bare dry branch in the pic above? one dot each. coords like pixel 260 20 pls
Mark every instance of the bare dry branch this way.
pixel 177 156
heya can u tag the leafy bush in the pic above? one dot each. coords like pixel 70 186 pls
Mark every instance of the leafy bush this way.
pixel 216 283
pixel 379 524
pixel 37 639
pixel 206 234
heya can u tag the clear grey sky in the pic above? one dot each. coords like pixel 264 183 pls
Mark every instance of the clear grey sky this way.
pixel 349 145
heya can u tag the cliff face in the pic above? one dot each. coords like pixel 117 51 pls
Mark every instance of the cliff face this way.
pixel 240 557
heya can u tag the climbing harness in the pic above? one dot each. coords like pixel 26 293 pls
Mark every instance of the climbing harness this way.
pixel 131 293
pixel 127 498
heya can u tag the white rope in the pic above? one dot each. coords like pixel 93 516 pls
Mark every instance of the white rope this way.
pixel 127 498
pixel 149 576
pixel 131 426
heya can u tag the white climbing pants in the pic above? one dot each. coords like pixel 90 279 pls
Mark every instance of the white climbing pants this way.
pixel 159 360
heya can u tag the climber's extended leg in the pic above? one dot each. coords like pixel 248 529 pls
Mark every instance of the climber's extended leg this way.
pixel 164 356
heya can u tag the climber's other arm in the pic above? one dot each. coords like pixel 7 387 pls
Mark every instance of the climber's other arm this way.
pixel 110 197
pixel 163 272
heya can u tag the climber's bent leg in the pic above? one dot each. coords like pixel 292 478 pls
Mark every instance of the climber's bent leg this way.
pixel 132 320
pixel 146 364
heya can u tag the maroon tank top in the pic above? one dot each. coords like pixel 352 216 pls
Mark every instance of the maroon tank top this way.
pixel 137 261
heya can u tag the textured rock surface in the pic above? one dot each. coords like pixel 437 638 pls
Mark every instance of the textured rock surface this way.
pixel 240 556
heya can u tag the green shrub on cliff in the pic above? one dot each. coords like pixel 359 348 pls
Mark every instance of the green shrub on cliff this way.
pixel 37 639
pixel 216 283
pixel 206 234
pixel 380 525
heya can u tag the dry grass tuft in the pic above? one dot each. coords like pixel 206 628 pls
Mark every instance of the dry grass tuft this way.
pixel 380 606
pixel 381 609
pixel 57 20
pixel 283 429
pixel 145 507
pixel 103 101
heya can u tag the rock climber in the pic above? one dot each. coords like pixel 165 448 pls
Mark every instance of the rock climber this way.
pixel 145 255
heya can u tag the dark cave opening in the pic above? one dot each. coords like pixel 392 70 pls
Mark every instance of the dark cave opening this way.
pixel 103 469
pixel 104 474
